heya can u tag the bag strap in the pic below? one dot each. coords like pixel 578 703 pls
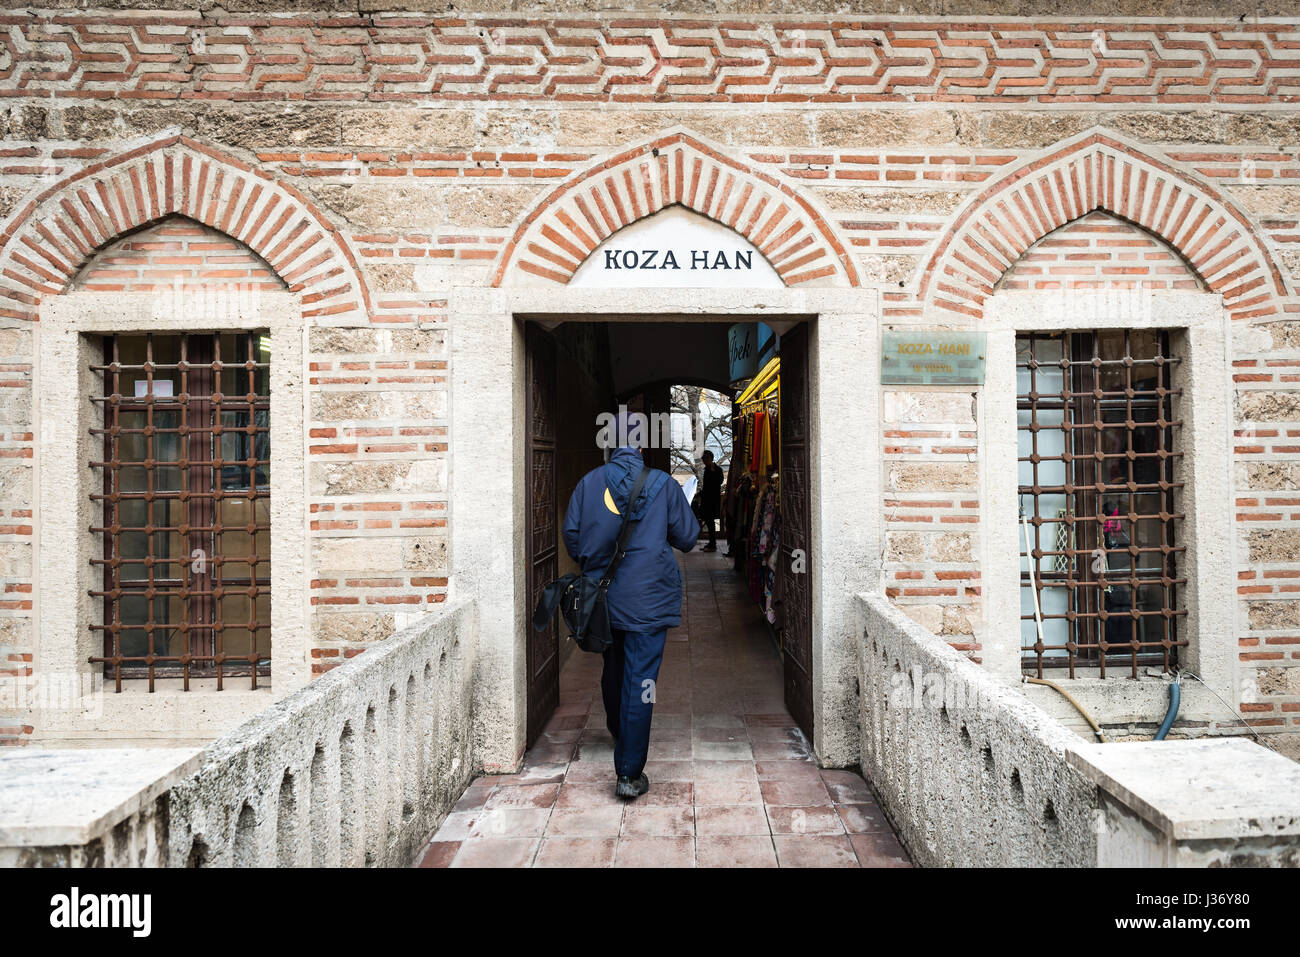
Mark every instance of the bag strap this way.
pixel 625 529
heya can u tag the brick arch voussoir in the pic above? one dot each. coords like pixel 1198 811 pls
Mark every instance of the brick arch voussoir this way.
pixel 1099 172
pixel 47 242
pixel 571 221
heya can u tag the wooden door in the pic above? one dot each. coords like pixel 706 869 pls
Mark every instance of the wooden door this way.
pixel 794 565
pixel 543 545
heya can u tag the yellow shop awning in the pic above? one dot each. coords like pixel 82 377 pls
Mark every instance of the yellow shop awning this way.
pixel 763 385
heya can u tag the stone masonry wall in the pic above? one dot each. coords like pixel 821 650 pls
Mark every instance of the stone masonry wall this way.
pixel 373 160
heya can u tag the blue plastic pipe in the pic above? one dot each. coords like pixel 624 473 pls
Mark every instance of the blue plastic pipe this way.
pixel 1175 695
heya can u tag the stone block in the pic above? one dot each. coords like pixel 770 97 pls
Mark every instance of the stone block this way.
pixel 16 407
pixel 904 547
pixel 1269 615
pixel 482 207
pixel 384 207
pixel 891 128
pixel 15 560
pixel 933 476
pixel 895 202
pixel 1268 476
pixel 358 627
pixel 1267 200
pixel 929 617
pixel 938 408
pixel 16 344
pixel 1274 544
pixel 428 553
pixel 374 406
pixel 952 547
pixel 16 632
pixel 280 127
pixel 958 620
pixel 357 554
pixel 1261 406
pixel 408 129
pixel 16 483
pixel 356 478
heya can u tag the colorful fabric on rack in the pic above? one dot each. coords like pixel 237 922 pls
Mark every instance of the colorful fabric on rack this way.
pixel 769 589
pixel 766 532
pixel 763 443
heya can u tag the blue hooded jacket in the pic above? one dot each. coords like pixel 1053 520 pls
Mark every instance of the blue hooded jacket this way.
pixel 646 594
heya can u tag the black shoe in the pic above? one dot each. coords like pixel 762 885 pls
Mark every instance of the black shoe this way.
pixel 709 548
pixel 631 788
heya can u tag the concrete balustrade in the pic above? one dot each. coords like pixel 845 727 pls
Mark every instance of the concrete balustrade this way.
pixel 973 773
pixel 357 768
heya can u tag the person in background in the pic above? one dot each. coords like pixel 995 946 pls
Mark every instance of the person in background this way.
pixel 711 499
pixel 645 597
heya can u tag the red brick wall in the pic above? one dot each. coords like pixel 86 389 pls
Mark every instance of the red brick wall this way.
pixel 1100 251
pixel 175 251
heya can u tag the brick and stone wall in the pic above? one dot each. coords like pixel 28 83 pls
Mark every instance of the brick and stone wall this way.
pixel 371 160
pixel 1099 251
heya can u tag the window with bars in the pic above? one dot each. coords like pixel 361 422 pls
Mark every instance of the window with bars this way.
pixel 183 492
pixel 1099 484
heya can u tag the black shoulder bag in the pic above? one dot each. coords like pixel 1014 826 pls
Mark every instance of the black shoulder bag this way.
pixel 582 600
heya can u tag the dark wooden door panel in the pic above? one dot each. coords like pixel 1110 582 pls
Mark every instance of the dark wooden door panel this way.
pixel 543 648
pixel 795 571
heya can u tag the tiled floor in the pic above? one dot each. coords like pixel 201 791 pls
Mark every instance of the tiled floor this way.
pixel 732 781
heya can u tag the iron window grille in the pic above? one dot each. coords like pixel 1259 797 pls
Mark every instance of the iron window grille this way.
pixel 184 506
pixel 1098 470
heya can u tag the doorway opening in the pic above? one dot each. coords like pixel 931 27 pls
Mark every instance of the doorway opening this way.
pixel 693 394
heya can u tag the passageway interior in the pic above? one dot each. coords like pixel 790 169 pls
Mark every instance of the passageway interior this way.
pixel 734 781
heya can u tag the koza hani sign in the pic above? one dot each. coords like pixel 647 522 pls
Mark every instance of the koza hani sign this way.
pixel 667 259
pixel 676 247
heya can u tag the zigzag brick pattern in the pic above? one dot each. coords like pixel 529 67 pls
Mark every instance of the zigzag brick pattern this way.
pixel 401 57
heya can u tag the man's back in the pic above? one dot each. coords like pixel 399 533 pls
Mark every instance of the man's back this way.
pixel 644 599
pixel 646 594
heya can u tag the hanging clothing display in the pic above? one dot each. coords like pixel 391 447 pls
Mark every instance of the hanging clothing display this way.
pixel 765 536
pixel 753 505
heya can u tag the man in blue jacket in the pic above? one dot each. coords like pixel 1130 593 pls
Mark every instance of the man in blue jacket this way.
pixel 645 597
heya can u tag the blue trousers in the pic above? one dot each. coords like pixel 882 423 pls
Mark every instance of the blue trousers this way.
pixel 627 685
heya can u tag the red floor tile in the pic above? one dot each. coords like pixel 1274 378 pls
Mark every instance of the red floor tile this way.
pixel 734 851
pixel 576 852
pixel 497 852
pixel 740 819
pixel 440 854
pixel 804 820
pixel 655 852
pixel 823 850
